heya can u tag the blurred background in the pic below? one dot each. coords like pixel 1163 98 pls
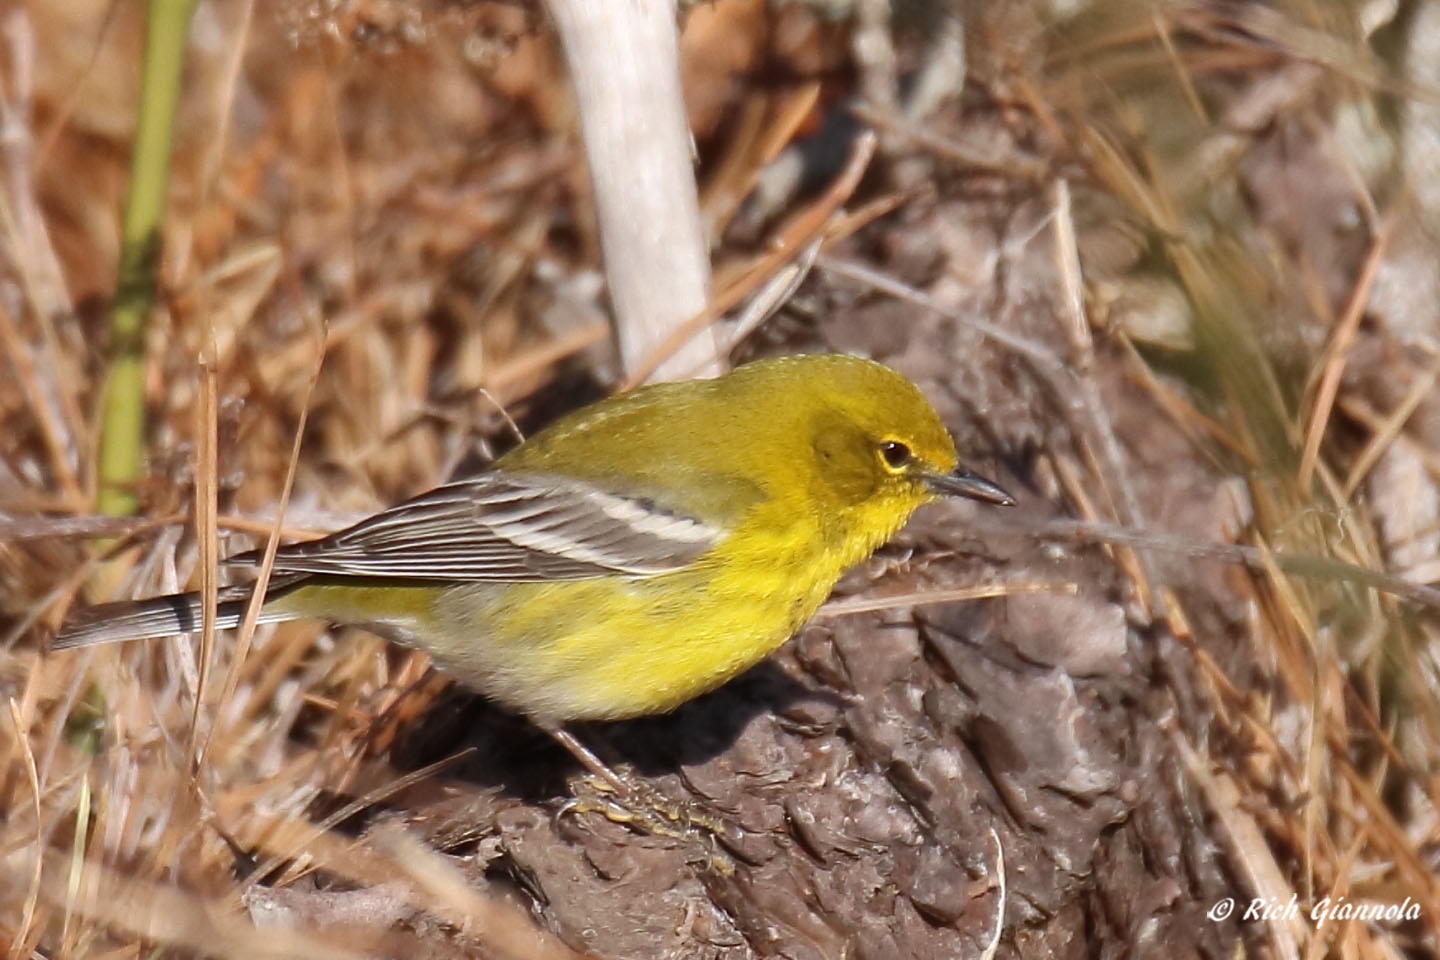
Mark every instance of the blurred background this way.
pixel 1169 271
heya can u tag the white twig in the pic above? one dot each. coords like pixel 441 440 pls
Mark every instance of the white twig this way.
pixel 624 59
pixel 989 952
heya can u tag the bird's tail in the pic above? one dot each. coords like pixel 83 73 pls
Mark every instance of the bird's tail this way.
pixel 156 617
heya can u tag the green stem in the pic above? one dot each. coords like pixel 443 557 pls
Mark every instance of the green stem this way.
pixel 122 424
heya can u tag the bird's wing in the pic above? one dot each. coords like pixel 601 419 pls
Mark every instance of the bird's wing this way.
pixel 508 528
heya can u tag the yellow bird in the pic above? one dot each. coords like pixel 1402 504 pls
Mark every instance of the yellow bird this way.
pixel 635 554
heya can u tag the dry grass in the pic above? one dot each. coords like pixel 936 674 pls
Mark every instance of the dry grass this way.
pixel 379 253
pixel 1321 766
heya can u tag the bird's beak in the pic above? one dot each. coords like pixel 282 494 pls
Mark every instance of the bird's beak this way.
pixel 963 483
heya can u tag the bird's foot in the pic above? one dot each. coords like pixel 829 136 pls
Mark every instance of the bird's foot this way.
pixel 644 809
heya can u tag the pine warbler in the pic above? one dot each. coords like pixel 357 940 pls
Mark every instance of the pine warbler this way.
pixel 635 554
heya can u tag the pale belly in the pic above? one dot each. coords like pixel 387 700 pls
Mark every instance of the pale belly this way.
pixel 587 650
pixel 604 649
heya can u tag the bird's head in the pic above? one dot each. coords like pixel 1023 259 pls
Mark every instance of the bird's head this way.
pixel 876 439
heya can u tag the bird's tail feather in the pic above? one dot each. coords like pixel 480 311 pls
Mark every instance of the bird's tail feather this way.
pixel 156 617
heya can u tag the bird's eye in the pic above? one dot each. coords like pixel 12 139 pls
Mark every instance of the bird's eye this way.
pixel 896 454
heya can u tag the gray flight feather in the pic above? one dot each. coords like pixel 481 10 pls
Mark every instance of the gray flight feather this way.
pixel 497 527
pixel 507 528
pixel 158 617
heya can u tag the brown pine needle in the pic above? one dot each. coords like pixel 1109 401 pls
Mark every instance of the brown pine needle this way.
pixel 924 598
pixel 1339 349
